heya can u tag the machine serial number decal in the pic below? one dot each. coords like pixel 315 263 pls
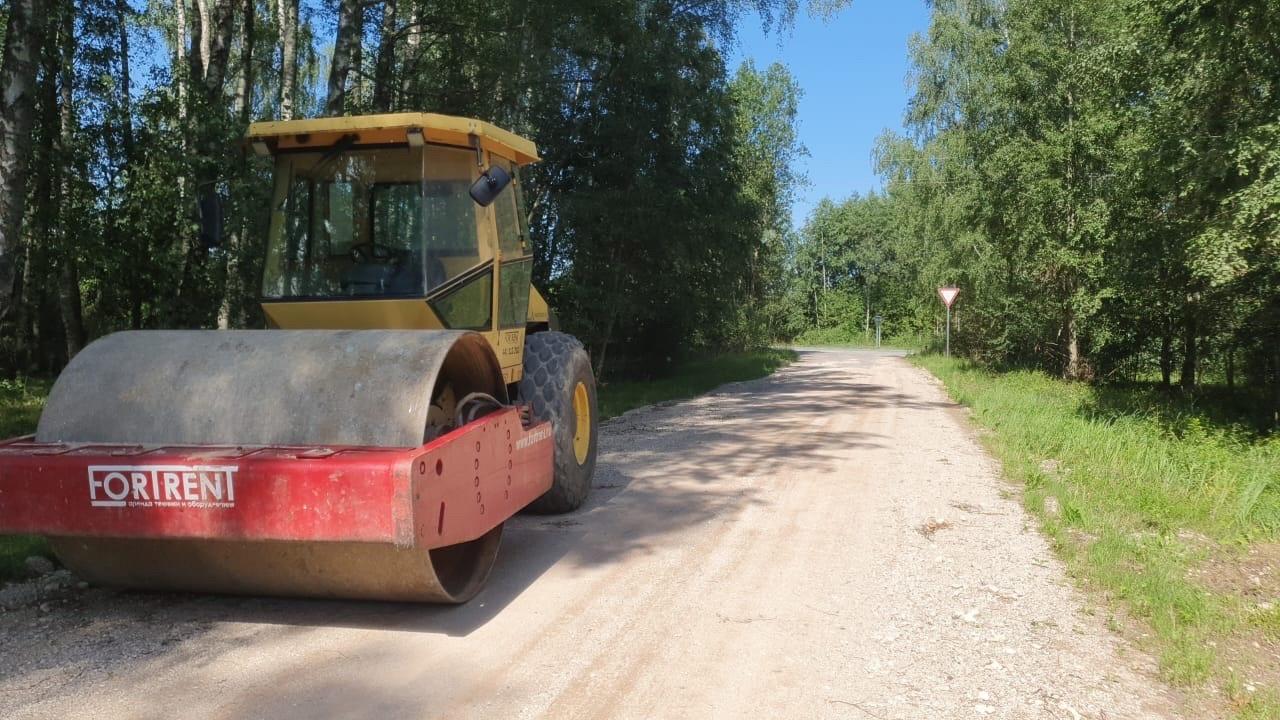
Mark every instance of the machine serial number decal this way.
pixel 163 486
pixel 534 437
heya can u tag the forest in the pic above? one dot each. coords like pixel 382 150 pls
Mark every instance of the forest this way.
pixel 658 212
pixel 1100 178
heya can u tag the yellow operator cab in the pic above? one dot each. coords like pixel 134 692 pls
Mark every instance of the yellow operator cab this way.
pixel 373 227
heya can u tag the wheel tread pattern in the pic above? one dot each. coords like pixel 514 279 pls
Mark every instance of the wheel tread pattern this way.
pixel 553 364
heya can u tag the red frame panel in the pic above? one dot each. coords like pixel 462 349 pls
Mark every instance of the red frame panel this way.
pixel 453 489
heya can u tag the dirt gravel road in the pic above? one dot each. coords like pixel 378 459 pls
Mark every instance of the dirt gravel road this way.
pixel 829 542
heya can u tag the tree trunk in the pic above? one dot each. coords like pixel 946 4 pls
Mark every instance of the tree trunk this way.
pixel 181 78
pixel 197 28
pixel 192 302
pixel 41 228
pixel 343 55
pixel 1190 354
pixel 355 96
pixel 288 55
pixel 22 316
pixel 205 43
pixel 244 91
pixel 1275 392
pixel 231 289
pixel 1166 354
pixel 180 55
pixel 1077 368
pixel 29 313
pixel 69 303
pixel 126 98
pixel 413 46
pixel 866 322
pixel 22 41
pixel 384 64
pixel 612 314
pixel 217 38
pixel 519 84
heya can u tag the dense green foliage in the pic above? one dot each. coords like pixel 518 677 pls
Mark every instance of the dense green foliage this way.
pixel 1102 181
pixel 1152 500
pixel 657 212
pixel 21 401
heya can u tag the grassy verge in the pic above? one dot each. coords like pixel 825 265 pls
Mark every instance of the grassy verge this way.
pixel 689 379
pixel 20 404
pixel 1166 509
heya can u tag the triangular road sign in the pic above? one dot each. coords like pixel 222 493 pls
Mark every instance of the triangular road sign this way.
pixel 948 295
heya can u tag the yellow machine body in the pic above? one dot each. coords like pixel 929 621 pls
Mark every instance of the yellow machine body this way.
pixel 499 248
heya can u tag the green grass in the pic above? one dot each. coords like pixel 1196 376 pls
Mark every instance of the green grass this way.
pixel 691 378
pixel 1148 487
pixel 20 404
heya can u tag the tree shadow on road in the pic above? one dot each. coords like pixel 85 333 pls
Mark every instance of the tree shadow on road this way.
pixel 661 469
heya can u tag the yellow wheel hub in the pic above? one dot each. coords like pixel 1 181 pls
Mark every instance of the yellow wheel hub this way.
pixel 582 428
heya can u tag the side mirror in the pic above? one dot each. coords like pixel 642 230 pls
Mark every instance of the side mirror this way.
pixel 489 185
pixel 210 205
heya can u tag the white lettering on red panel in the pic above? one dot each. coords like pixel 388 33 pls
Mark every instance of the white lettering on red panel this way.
pixel 176 486
pixel 535 437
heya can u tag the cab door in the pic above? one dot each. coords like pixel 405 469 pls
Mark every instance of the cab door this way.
pixel 515 268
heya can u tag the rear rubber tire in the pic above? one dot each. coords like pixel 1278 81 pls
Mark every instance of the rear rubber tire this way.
pixel 555 364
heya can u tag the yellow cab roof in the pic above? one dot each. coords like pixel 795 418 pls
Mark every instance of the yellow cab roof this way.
pixel 444 129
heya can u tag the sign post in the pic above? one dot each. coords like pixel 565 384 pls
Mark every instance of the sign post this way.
pixel 878 320
pixel 948 295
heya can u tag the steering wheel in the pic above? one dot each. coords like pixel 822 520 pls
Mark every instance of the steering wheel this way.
pixel 371 251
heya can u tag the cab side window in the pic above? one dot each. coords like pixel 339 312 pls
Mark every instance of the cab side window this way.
pixel 504 207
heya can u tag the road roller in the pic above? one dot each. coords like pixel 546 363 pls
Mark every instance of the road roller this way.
pixel 410 393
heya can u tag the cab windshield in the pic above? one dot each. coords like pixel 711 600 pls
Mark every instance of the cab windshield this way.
pixel 361 222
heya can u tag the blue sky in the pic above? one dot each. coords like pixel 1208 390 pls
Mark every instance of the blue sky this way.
pixel 853 69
